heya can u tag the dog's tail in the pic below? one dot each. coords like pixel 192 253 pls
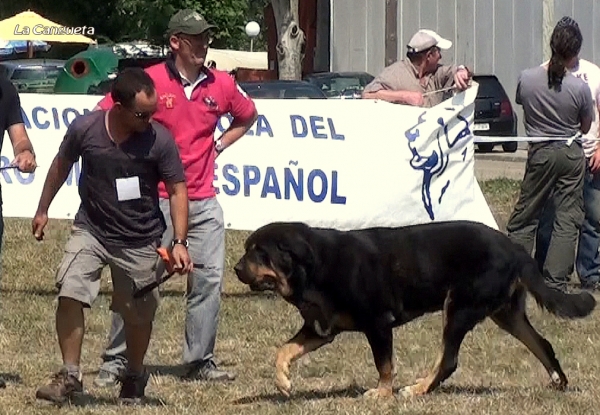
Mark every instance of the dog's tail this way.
pixel 559 303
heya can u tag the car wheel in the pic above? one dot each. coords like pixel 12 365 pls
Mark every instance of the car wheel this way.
pixel 486 148
pixel 510 147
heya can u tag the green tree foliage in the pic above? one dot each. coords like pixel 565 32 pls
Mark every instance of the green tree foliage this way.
pixel 122 20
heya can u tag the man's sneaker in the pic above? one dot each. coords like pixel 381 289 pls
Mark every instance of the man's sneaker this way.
pixel 106 379
pixel 2 383
pixel 61 388
pixel 133 387
pixel 209 372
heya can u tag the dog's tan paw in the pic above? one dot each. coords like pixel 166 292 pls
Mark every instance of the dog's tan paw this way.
pixel 379 393
pixel 408 392
pixel 418 389
pixel 284 385
pixel 282 379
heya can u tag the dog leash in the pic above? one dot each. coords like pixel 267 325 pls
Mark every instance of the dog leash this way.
pixel 10 167
pixel 168 261
pixel 449 88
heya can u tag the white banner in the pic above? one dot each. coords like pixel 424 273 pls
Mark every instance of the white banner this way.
pixel 346 164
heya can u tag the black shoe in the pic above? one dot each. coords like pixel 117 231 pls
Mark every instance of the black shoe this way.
pixel 209 372
pixel 133 388
pixel 2 383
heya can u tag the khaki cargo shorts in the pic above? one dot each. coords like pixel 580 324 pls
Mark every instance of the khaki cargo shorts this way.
pixel 78 275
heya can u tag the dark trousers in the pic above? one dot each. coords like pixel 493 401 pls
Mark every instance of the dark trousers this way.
pixel 552 170
pixel 587 261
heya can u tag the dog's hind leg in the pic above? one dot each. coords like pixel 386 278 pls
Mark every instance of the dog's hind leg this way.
pixel 381 342
pixel 513 319
pixel 305 341
pixel 457 323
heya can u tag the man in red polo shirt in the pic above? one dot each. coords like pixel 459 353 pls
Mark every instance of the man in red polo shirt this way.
pixel 192 99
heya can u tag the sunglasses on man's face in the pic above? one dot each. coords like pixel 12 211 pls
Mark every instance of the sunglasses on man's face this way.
pixel 141 115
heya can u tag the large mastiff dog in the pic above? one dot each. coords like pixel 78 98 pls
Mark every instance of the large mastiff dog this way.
pixel 373 280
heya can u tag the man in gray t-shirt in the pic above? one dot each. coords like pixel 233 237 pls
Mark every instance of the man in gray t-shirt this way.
pixel 125 155
pixel 555 104
pixel 551 113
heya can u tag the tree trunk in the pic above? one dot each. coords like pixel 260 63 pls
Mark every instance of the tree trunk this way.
pixel 290 39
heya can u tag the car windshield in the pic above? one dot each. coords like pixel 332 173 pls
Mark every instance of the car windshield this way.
pixel 35 73
pixel 35 79
pixel 274 92
pixel 489 87
pixel 336 86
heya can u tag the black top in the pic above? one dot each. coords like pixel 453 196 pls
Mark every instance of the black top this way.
pixel 10 108
pixel 118 185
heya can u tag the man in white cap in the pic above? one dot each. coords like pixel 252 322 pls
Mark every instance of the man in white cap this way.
pixel 413 81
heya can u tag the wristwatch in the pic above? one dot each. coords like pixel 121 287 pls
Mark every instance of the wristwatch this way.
pixel 183 242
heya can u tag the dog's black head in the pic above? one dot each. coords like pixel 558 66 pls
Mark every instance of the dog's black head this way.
pixel 279 253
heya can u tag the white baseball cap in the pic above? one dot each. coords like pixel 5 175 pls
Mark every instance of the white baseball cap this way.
pixel 425 39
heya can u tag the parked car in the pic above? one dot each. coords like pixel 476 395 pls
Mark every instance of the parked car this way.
pixel 340 85
pixel 282 89
pixel 494 114
pixel 32 75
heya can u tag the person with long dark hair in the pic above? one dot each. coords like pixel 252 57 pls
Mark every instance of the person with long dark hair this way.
pixel 558 106
pixel 587 260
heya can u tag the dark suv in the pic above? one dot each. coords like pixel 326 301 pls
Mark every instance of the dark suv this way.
pixel 494 115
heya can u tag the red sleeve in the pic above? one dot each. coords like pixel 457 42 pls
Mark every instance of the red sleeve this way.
pixel 106 102
pixel 241 105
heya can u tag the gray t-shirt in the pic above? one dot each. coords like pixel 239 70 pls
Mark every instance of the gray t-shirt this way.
pixel 551 113
pixel 118 184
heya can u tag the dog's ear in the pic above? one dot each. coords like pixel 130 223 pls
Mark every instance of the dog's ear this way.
pixel 302 262
pixel 300 250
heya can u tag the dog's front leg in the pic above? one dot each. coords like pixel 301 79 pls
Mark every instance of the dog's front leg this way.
pixel 381 341
pixel 305 341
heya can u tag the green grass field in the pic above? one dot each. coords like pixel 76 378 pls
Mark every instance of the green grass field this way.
pixel 496 374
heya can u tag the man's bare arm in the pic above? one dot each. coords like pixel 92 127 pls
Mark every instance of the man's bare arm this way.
pixel 19 138
pixel 57 174
pixel 237 129
pixel 396 97
pixel 178 202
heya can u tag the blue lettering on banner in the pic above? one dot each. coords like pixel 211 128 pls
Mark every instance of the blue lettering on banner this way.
pixel 44 118
pixel 260 127
pixel 316 184
pixel 316 126
pixel 22 178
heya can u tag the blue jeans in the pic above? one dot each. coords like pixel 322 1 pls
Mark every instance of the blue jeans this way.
pixel 206 236
pixel 587 261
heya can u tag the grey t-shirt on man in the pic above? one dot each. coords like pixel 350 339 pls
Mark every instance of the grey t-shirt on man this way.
pixel 118 184
pixel 551 113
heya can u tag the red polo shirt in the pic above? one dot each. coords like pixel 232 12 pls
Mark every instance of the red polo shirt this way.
pixel 193 121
